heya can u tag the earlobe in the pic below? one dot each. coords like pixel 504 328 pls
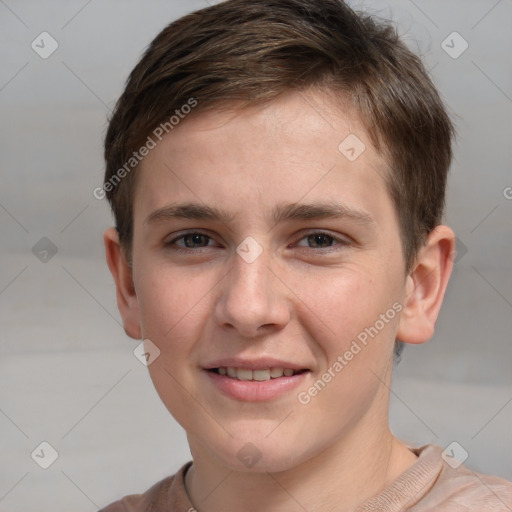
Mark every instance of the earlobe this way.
pixel 125 290
pixel 426 286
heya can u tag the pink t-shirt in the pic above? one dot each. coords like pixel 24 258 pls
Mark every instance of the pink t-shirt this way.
pixel 430 485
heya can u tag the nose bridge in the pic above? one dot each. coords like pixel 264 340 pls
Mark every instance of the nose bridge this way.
pixel 251 297
pixel 251 276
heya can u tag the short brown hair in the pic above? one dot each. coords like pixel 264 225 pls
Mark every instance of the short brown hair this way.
pixel 253 51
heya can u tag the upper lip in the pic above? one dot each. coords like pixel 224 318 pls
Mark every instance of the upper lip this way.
pixel 253 364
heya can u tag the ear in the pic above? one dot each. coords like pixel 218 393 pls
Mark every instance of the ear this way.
pixel 122 274
pixel 426 285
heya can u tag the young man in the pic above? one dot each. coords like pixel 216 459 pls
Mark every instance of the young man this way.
pixel 277 172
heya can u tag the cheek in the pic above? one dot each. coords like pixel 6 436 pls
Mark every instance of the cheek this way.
pixel 344 302
pixel 358 323
pixel 353 320
pixel 172 303
pixel 174 307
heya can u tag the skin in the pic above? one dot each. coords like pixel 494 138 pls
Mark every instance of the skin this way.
pixel 303 299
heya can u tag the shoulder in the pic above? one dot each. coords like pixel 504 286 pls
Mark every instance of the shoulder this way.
pixel 459 489
pixel 167 494
pixel 142 502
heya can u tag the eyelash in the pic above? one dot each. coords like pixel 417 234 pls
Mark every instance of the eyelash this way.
pixel 188 250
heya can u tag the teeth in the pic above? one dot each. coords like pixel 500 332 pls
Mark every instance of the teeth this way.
pixel 261 375
pixel 257 375
pixel 276 372
pixel 242 374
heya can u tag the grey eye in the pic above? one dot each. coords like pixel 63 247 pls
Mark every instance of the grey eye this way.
pixel 195 240
pixel 320 240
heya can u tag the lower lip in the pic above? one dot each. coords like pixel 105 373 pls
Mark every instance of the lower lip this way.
pixel 255 391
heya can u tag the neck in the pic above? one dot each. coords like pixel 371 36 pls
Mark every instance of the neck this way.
pixel 348 473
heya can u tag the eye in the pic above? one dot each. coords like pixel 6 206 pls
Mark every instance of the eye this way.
pixel 193 240
pixel 190 241
pixel 321 240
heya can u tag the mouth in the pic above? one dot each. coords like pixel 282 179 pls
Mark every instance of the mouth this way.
pixel 256 381
pixel 259 375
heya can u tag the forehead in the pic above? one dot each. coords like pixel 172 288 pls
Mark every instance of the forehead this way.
pixel 302 146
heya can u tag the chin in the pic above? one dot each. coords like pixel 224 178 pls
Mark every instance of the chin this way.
pixel 261 455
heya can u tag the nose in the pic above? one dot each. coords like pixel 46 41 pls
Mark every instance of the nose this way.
pixel 253 300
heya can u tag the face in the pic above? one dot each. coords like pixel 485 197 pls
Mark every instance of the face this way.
pixel 268 270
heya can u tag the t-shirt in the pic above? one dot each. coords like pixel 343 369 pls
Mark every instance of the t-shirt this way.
pixel 429 485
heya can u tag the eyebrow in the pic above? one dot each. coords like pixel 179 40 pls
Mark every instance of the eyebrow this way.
pixel 188 211
pixel 317 210
pixel 280 214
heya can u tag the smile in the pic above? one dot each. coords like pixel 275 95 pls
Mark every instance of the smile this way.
pixel 256 384
pixel 255 375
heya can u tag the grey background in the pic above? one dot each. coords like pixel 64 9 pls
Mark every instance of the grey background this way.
pixel 68 375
